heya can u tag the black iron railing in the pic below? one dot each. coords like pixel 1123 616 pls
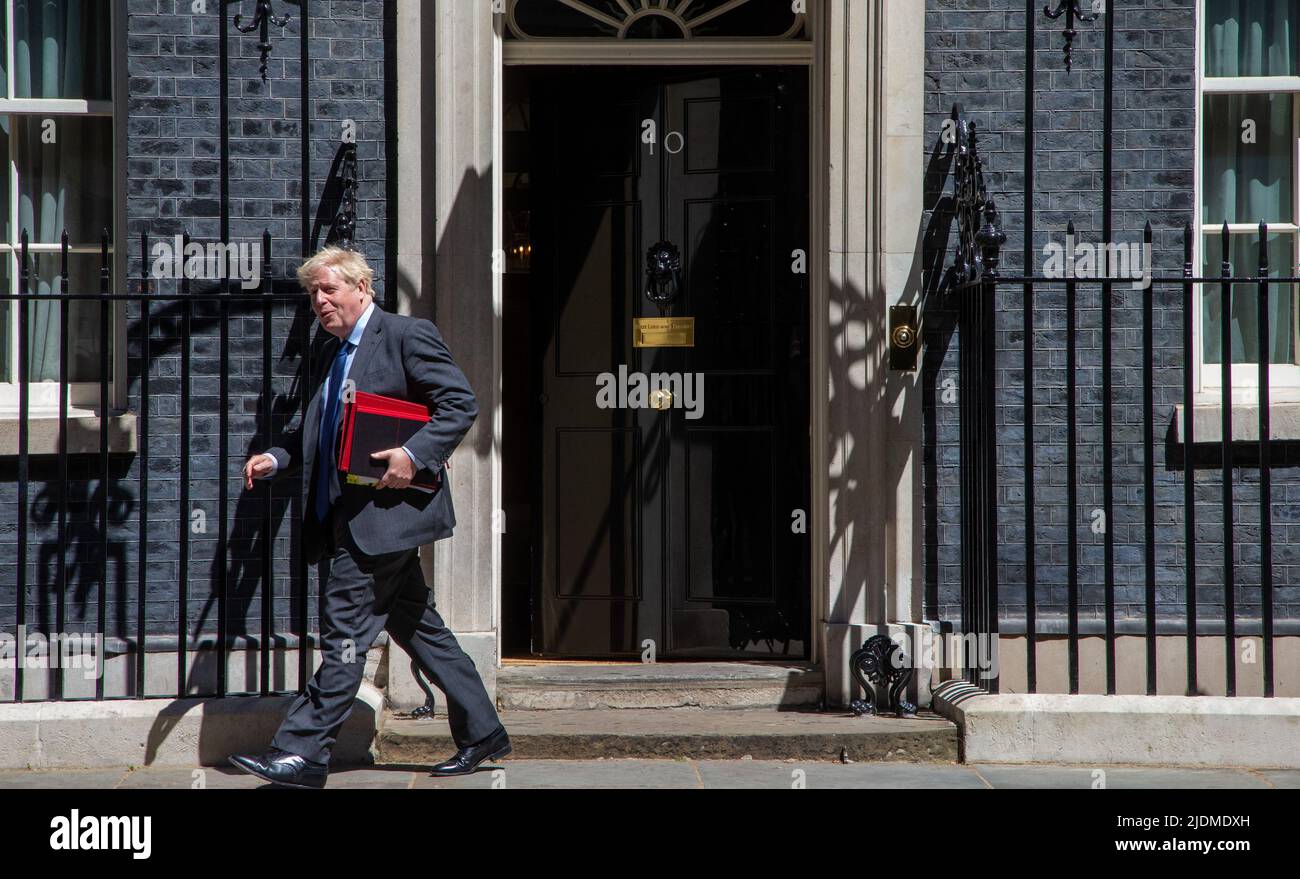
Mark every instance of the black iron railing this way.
pixel 219 302
pixel 977 325
pixel 975 272
pixel 976 290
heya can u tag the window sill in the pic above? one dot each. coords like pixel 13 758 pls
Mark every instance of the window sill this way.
pixel 83 433
pixel 1284 423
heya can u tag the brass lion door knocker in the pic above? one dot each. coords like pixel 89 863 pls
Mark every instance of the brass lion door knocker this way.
pixel 663 267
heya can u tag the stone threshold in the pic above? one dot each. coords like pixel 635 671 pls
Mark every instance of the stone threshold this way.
pixel 536 686
pixel 686 734
pixel 587 670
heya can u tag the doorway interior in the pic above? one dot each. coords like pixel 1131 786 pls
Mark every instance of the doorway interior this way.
pixel 675 515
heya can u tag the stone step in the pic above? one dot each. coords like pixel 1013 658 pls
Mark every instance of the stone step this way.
pixel 583 685
pixel 685 733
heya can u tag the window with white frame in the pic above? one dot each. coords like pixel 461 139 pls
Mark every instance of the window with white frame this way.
pixel 56 135
pixel 1250 85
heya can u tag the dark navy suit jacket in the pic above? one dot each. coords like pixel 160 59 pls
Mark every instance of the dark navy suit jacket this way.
pixel 399 357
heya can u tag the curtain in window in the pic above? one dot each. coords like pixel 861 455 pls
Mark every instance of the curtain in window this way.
pixel 1248 159
pixel 1244 259
pixel 1251 37
pixel 66 184
pixel 1249 176
pixel 61 50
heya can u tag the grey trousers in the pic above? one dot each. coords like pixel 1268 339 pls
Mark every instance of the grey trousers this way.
pixel 364 595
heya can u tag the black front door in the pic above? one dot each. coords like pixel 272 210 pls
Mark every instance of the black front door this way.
pixel 671 495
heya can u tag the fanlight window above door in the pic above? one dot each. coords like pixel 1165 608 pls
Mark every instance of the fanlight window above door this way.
pixel 654 20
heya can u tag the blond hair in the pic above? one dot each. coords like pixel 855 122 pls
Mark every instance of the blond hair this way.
pixel 350 266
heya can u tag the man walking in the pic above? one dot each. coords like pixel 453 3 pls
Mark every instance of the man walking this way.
pixel 368 538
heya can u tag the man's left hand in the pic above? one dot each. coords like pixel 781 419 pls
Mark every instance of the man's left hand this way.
pixel 401 469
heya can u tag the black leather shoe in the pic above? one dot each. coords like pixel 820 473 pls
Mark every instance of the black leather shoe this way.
pixel 283 768
pixel 467 759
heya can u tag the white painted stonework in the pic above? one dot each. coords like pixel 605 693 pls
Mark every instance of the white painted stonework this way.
pixel 867 76
pixel 164 732
pixel 1108 730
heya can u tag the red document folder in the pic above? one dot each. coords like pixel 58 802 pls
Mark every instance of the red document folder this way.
pixel 371 424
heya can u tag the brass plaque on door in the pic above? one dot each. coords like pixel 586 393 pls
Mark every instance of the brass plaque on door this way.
pixel 663 332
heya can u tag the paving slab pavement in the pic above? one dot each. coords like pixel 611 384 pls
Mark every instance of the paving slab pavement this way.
pixel 683 775
pixel 760 774
pixel 588 774
pixel 1285 779
pixel 180 779
pixel 1116 777
pixel 91 779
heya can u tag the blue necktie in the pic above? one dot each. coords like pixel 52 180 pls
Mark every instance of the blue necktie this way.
pixel 329 429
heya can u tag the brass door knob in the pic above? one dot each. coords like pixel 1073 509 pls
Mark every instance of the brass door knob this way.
pixel 661 400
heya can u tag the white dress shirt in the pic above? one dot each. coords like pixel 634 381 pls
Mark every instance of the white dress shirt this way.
pixel 358 332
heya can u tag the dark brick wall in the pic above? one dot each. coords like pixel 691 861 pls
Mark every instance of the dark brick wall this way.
pixel 175 170
pixel 975 55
